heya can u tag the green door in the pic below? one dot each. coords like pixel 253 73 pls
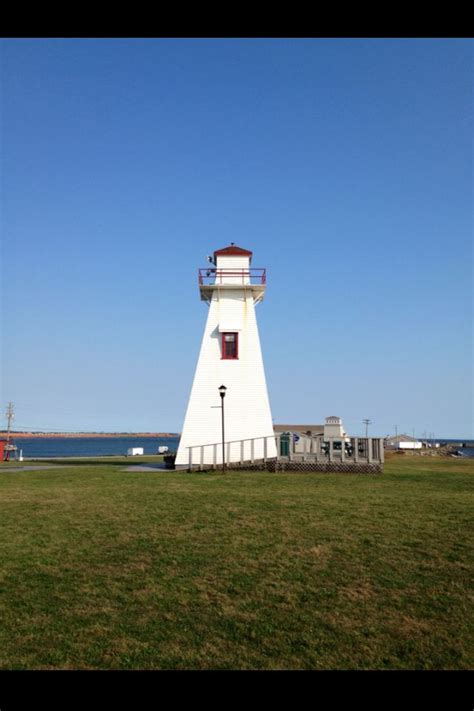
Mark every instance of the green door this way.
pixel 285 444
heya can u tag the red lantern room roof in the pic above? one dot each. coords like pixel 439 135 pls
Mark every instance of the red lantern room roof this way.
pixel 232 251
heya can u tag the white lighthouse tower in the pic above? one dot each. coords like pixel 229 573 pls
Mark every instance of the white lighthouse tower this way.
pixel 230 356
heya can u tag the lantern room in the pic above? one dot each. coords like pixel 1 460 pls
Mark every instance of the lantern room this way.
pixel 231 270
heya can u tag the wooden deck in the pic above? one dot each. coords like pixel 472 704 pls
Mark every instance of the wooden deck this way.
pixel 295 452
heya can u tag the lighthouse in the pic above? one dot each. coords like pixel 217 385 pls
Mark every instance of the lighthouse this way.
pixel 230 356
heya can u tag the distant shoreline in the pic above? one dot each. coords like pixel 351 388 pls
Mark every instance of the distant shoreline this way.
pixel 88 435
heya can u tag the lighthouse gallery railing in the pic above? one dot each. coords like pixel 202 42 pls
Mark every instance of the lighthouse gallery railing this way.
pixel 212 276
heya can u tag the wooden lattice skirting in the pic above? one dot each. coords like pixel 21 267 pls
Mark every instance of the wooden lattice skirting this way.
pixel 275 465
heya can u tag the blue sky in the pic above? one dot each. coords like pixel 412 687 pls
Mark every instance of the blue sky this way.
pixel 344 165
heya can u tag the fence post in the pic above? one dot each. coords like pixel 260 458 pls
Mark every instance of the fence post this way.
pixel 369 450
pixel 330 449
pixel 356 449
pixel 201 458
pixel 214 455
pixel 252 457
pixel 190 457
pixel 241 451
pixel 382 452
pixel 264 449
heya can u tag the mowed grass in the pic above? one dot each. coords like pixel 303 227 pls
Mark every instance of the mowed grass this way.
pixel 107 569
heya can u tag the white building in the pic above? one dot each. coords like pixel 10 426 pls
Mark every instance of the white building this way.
pixel 231 356
pixel 409 445
pixel 333 427
pixel 402 441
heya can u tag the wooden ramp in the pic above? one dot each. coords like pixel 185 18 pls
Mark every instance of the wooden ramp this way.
pixel 294 453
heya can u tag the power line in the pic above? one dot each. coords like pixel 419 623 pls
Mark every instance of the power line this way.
pixel 43 428
pixel 21 428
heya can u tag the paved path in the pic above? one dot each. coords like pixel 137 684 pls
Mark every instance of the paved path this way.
pixel 39 467
pixel 28 469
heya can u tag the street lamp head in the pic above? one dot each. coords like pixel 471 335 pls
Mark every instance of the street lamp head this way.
pixel 222 390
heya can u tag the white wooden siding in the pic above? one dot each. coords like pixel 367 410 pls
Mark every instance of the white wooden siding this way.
pixel 247 407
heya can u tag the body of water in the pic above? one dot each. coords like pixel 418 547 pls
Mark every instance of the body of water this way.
pixel 466 451
pixel 103 446
pixel 91 446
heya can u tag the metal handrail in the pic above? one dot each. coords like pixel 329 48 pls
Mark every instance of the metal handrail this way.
pixel 230 441
pixel 277 435
pixel 258 274
pixel 362 448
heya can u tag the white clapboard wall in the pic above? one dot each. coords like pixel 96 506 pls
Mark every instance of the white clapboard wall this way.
pixel 247 408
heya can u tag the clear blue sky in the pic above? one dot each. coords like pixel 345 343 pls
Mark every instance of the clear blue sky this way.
pixel 345 165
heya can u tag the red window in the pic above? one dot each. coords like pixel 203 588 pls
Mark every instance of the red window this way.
pixel 230 346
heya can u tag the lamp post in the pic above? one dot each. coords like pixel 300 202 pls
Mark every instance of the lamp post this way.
pixel 222 391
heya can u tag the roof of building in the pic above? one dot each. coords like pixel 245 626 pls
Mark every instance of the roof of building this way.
pixel 316 429
pixel 232 251
pixel 401 438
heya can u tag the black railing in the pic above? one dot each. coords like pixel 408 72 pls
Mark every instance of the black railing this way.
pixel 211 277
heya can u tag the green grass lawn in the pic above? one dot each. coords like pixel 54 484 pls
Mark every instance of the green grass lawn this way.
pixel 107 569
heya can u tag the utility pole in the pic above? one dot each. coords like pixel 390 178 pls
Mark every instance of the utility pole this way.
pixel 367 423
pixel 10 416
